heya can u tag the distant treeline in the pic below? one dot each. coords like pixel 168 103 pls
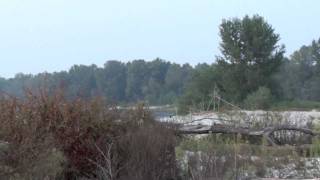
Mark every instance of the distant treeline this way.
pixel 252 72
pixel 157 81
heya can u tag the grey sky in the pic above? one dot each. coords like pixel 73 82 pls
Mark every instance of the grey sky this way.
pixel 52 35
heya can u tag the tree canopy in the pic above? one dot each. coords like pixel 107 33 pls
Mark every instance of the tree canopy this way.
pixel 156 82
pixel 250 55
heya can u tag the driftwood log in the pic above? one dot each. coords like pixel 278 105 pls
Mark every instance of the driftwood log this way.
pixel 267 133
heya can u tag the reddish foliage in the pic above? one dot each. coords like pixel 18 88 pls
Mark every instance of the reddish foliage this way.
pixel 81 129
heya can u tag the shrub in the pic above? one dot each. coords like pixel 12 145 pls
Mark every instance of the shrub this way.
pixel 260 99
pixel 51 137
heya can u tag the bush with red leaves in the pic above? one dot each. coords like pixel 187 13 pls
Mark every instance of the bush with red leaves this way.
pixel 83 131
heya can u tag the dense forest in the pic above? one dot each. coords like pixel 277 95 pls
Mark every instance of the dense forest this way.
pixel 252 71
pixel 157 81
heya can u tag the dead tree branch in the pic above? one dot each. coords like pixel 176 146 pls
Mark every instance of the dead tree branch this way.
pixel 266 133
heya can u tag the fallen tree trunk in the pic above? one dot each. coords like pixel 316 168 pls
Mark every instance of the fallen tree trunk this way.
pixel 225 129
pixel 266 133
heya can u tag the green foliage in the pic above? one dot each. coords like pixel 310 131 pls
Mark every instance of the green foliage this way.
pixel 261 99
pixel 156 82
pixel 315 148
pixel 296 105
pixel 251 56
pixel 112 80
pixel 299 76
pixel 199 90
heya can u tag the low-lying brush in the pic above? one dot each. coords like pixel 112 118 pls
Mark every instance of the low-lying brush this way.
pixel 50 137
pixel 217 157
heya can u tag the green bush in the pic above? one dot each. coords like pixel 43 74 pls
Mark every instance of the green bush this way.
pixel 260 99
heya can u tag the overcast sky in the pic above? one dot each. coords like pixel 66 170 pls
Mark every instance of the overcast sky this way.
pixel 52 35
